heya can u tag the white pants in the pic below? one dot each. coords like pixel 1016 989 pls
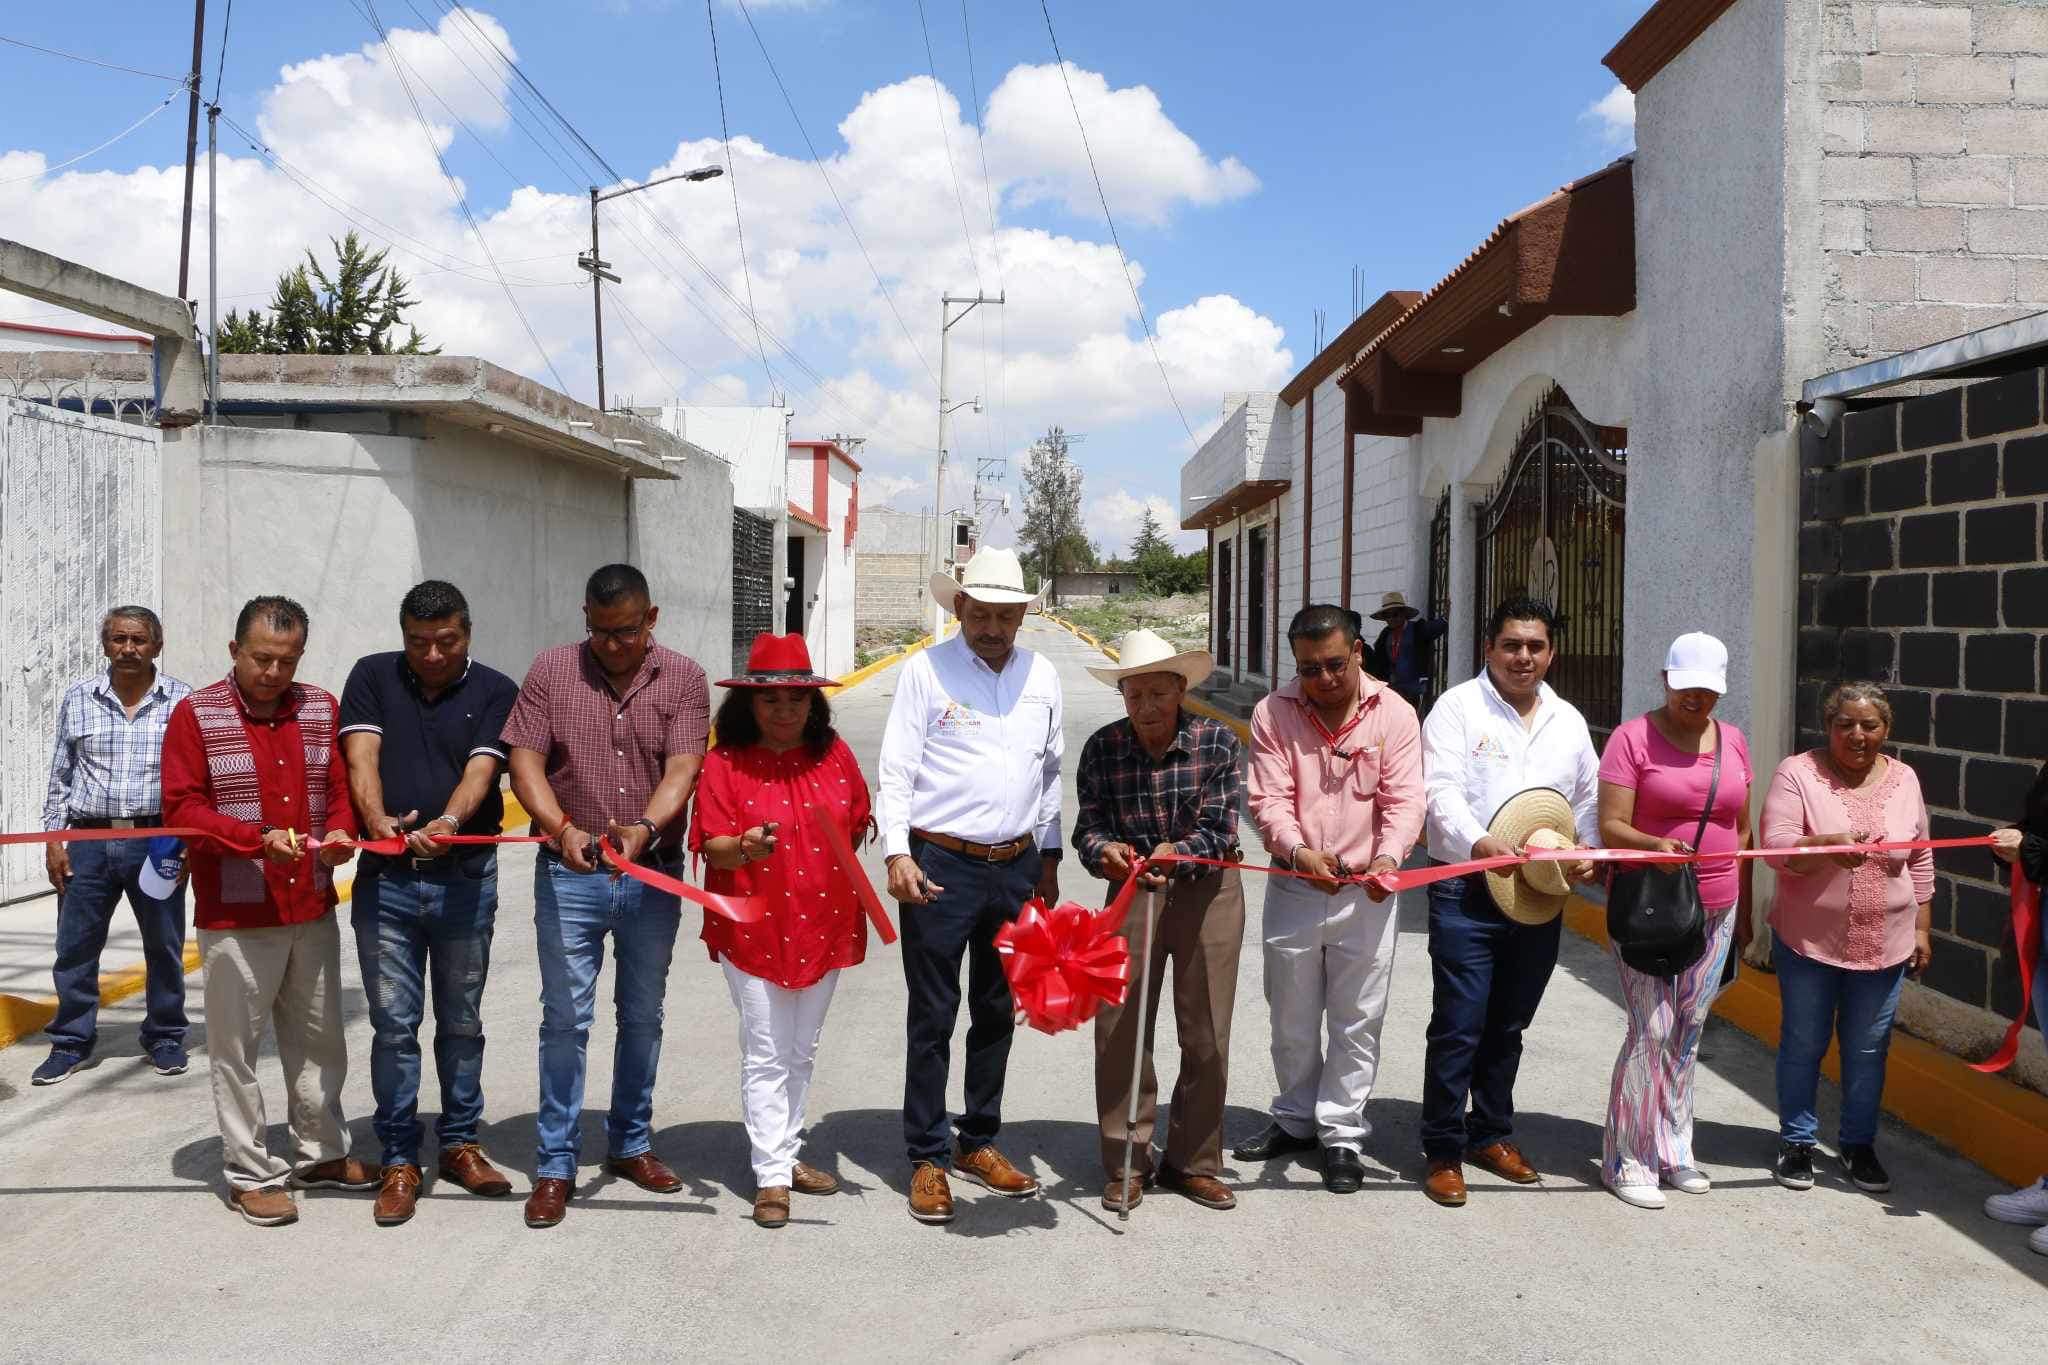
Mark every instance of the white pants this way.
pixel 778 1043
pixel 1328 959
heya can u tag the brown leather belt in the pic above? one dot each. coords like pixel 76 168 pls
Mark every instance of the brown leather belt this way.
pixel 1007 852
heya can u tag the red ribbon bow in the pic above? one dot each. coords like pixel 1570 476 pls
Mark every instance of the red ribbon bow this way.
pixel 1067 962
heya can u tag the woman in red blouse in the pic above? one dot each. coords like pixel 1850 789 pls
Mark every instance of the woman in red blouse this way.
pixel 777 769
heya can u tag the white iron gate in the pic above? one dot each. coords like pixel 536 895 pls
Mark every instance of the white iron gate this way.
pixel 81 515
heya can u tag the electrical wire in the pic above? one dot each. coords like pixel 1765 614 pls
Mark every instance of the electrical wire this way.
pixel 989 430
pixel 183 82
pixel 826 176
pixel 1143 321
pixel 94 151
pixel 946 140
pixel 732 178
pixel 220 68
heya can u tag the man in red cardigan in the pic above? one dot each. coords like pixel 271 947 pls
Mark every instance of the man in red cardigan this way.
pixel 253 761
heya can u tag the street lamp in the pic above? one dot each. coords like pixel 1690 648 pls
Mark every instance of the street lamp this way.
pixel 598 267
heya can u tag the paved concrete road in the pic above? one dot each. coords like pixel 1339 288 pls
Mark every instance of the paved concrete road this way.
pixel 117 1241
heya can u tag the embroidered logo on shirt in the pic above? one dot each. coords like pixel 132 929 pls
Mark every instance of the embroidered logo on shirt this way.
pixel 958 718
pixel 1489 747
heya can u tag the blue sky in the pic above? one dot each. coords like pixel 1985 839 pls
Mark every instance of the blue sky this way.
pixel 1286 144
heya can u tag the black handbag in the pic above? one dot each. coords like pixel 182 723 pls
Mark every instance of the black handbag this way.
pixel 1655 918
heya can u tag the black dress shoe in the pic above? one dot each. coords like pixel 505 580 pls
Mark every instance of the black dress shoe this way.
pixel 1274 1141
pixel 1343 1172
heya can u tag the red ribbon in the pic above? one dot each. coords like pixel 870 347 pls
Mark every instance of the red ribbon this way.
pixel 738 909
pixel 2026 932
pixel 849 864
pixel 1066 963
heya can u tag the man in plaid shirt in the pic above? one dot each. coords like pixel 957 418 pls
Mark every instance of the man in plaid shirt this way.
pixel 1165 781
pixel 105 773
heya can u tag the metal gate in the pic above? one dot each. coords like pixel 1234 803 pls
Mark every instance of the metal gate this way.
pixel 1439 605
pixel 753 592
pixel 81 515
pixel 1552 530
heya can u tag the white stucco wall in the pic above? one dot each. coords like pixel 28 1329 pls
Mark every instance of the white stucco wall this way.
pixel 831 626
pixel 753 440
pixel 681 538
pixel 1710 295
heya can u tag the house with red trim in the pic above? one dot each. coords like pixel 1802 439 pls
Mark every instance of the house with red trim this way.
pixel 824 518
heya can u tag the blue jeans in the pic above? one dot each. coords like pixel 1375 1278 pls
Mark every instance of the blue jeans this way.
pixel 979 898
pixel 411 926
pixel 101 873
pixel 1490 974
pixel 1820 1002
pixel 572 914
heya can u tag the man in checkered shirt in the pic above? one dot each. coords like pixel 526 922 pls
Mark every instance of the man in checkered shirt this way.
pixel 1163 780
pixel 105 772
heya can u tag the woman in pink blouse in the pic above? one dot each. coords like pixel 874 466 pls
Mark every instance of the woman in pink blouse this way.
pixel 1655 777
pixel 1846 928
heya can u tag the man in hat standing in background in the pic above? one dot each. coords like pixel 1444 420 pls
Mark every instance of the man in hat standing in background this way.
pixel 1510 764
pixel 1336 791
pixel 1401 657
pixel 968 801
pixel 1160 781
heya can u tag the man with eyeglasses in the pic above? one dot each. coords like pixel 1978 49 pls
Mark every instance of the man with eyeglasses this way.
pixel 606 738
pixel 1336 793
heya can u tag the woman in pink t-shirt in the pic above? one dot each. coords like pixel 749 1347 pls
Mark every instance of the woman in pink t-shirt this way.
pixel 1654 780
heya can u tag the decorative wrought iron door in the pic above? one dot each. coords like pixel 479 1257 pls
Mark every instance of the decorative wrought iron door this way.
pixel 1552 530
pixel 1439 604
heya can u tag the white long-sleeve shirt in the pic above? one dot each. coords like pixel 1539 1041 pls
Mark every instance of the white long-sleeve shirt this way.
pixel 971 752
pixel 1476 753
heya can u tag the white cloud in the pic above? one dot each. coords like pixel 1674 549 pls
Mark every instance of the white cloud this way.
pixel 1147 162
pixel 1067 348
pixel 877 490
pixel 1113 520
pixel 1613 115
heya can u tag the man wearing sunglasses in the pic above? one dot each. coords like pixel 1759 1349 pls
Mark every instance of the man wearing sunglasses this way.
pixel 606 739
pixel 1336 792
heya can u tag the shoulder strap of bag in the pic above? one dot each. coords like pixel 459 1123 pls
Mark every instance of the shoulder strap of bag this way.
pixel 1713 789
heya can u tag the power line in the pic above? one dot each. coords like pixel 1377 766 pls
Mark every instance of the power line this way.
pixel 825 175
pixel 182 81
pixel 220 67
pixel 1110 218
pixel 946 140
pixel 989 429
pixel 455 188
pixel 94 151
pixel 732 178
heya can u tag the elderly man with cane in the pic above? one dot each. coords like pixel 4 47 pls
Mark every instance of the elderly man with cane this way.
pixel 1163 781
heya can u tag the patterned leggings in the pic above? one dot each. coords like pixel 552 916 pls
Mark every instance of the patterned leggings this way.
pixel 1649 1110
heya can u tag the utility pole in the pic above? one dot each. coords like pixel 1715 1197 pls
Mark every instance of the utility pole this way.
pixel 212 265
pixel 947 317
pixel 191 144
pixel 598 267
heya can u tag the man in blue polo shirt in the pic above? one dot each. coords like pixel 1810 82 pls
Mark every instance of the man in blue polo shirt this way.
pixel 420 731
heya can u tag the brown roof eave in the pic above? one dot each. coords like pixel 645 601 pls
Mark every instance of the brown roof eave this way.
pixel 1335 356
pixel 1667 29
pixel 1234 502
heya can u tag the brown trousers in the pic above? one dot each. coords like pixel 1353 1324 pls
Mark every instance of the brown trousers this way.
pixel 1200 928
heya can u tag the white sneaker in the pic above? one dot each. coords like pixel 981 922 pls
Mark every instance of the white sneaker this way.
pixel 1690 1179
pixel 2026 1206
pixel 1642 1196
pixel 2039 1241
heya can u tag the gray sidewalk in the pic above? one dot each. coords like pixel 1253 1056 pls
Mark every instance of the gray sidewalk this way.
pixel 118 1241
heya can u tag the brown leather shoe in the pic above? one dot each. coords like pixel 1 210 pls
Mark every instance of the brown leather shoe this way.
pixel 991 1170
pixel 1205 1190
pixel 1121 1194
pixel 931 1197
pixel 646 1170
pixel 399 1198
pixel 467 1166
pixel 342 1173
pixel 1504 1159
pixel 771 1206
pixel 270 1207
pixel 548 1203
pixel 1445 1184
pixel 810 1180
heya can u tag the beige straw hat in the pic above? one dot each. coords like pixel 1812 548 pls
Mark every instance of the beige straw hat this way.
pixel 1533 893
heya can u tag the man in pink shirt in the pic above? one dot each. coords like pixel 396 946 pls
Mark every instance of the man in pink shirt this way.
pixel 1336 790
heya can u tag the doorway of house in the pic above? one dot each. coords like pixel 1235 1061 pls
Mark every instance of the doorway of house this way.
pixel 1226 596
pixel 793 609
pixel 1255 601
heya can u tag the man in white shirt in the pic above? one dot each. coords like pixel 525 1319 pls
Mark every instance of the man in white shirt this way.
pixel 969 808
pixel 1501 733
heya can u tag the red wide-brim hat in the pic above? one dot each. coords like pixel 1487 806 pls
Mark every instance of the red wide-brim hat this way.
pixel 778 661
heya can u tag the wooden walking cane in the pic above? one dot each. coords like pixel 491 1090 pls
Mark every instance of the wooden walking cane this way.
pixel 1143 964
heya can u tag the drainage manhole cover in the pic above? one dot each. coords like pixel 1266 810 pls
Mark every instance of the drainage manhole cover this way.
pixel 1148 1346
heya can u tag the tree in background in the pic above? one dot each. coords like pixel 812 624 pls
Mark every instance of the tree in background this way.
pixel 1053 539
pixel 1163 571
pixel 352 311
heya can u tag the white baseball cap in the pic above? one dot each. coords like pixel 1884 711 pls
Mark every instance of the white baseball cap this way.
pixel 1697 659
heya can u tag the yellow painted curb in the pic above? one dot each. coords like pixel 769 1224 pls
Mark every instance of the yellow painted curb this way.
pixel 20 1017
pixel 866 671
pixel 1994 1123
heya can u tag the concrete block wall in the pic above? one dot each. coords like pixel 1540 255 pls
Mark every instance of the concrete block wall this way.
pixel 889 588
pixel 1326 525
pixel 1383 557
pixel 1922 566
pixel 1934 174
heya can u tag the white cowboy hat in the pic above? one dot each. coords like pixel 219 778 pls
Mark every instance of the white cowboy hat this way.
pixel 993 575
pixel 1141 651
pixel 1533 893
